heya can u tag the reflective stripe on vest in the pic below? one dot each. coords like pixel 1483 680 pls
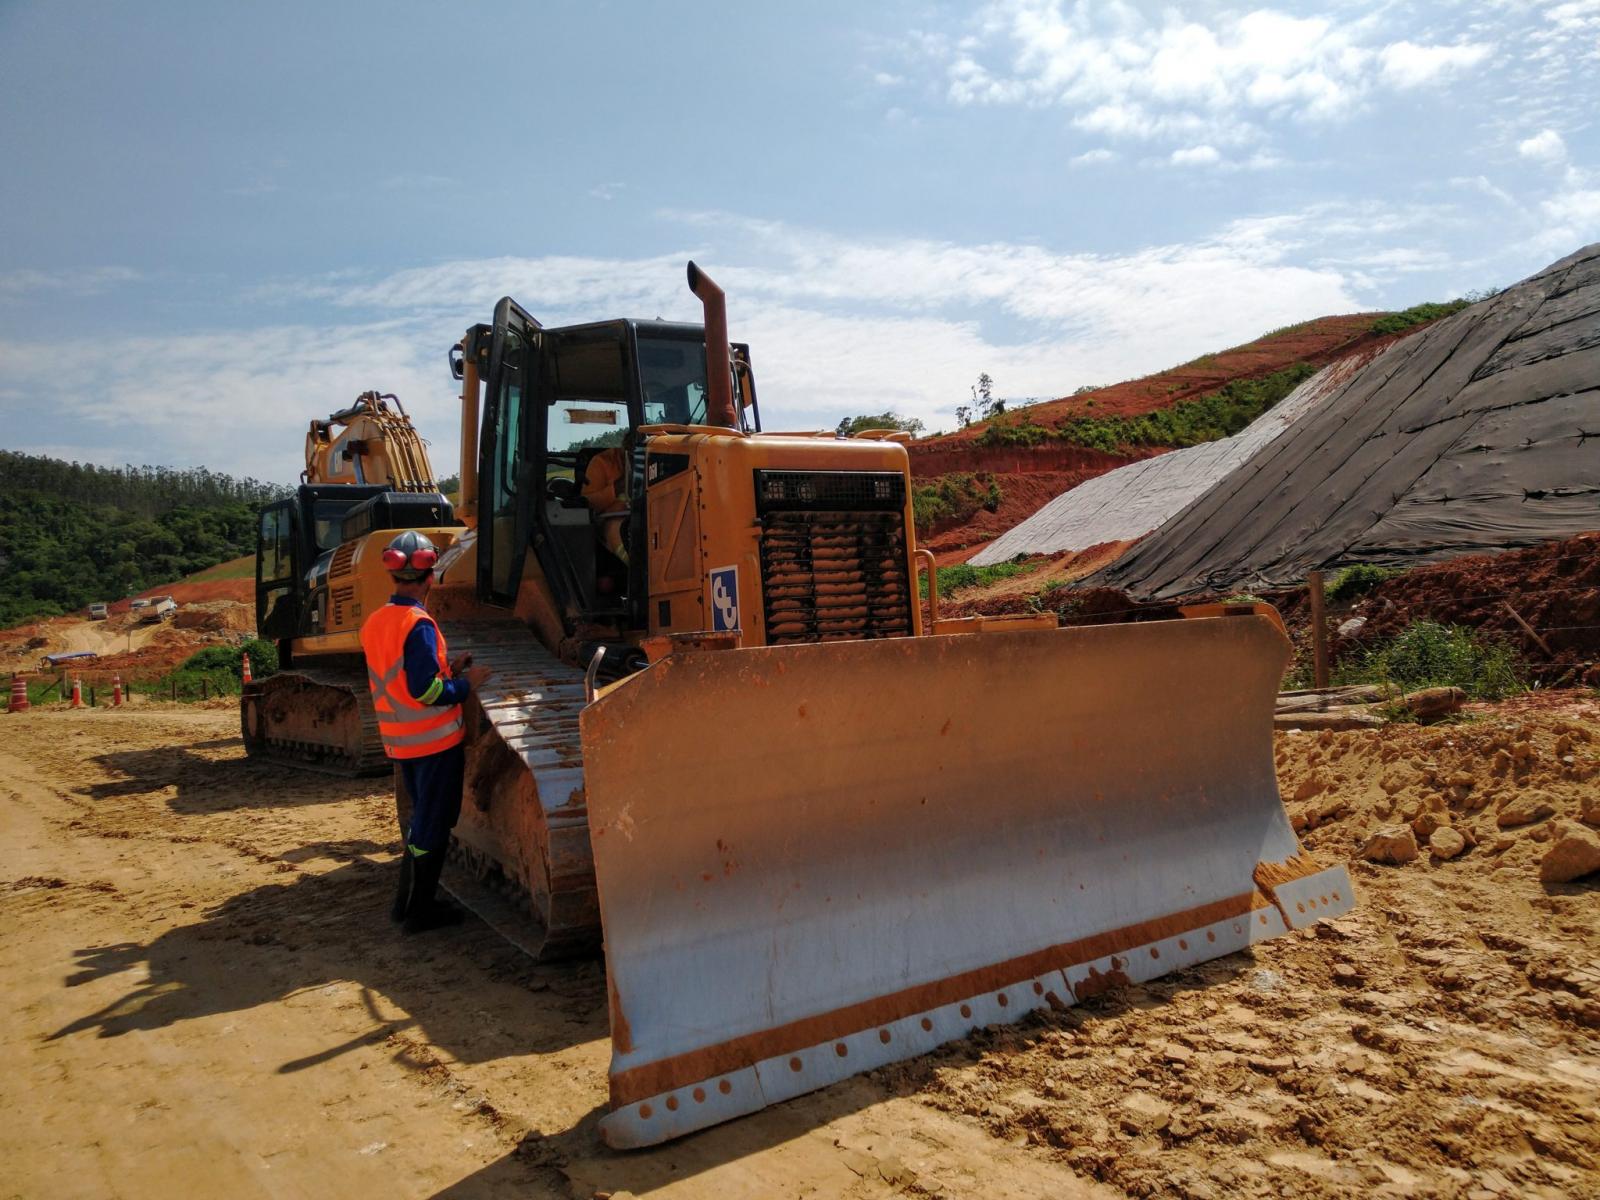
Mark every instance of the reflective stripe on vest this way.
pixel 409 728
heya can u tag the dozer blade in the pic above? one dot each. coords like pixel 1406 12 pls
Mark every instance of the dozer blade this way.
pixel 814 860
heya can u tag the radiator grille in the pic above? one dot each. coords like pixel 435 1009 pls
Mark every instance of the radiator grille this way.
pixel 834 576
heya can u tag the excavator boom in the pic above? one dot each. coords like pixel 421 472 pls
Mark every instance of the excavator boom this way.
pixel 813 860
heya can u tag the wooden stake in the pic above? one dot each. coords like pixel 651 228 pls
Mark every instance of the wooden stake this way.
pixel 1527 629
pixel 1319 631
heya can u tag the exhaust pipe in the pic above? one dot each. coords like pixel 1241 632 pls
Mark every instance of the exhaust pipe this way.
pixel 719 382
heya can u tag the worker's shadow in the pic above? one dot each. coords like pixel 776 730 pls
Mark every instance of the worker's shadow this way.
pixel 217 784
pixel 319 927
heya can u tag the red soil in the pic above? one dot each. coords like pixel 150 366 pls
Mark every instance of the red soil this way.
pixel 1021 497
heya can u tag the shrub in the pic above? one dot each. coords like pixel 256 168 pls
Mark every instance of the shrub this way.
pixel 263 659
pixel 1427 654
pixel 1358 580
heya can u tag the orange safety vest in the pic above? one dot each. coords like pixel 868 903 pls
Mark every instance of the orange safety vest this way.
pixel 409 729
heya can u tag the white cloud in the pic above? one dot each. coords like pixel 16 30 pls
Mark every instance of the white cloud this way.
pixel 1408 65
pixel 838 325
pixel 1544 146
pixel 1196 156
pixel 1091 157
pixel 1217 79
pixel 80 281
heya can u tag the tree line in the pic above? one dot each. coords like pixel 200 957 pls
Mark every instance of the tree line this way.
pixel 71 534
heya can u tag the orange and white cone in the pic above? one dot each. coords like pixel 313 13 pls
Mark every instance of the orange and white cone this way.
pixel 116 691
pixel 77 693
pixel 19 694
pixel 244 663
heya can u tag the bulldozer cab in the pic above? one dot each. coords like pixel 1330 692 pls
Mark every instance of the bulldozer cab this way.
pixel 561 456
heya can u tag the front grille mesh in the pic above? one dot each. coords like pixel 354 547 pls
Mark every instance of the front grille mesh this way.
pixel 834 576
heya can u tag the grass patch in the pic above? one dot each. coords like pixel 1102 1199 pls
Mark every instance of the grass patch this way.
pixel 1417 314
pixel 238 568
pixel 263 658
pixel 1206 418
pixel 1427 654
pixel 961 576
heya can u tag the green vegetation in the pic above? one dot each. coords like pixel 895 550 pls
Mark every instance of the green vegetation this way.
pixel 1417 314
pixel 1359 580
pixel 1207 418
pixel 953 497
pixel 1427 654
pixel 851 426
pixel 960 576
pixel 235 568
pixel 263 658
pixel 71 533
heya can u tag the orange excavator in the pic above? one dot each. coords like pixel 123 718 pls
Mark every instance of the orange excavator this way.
pixel 819 826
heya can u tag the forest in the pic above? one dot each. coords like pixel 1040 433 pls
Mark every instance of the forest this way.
pixel 73 533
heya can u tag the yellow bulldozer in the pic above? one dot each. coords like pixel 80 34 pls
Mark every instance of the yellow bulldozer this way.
pixel 818 826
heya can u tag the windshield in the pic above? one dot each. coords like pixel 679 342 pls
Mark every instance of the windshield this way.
pixel 672 378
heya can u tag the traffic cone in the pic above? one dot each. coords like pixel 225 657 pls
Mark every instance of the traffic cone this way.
pixel 77 693
pixel 19 694
pixel 116 691
pixel 244 662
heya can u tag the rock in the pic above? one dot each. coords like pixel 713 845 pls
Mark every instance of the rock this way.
pixel 1525 810
pixel 1590 813
pixel 1523 752
pixel 1572 857
pixel 1347 975
pixel 1446 843
pixel 1425 824
pixel 1430 704
pixel 1502 844
pixel 1267 1065
pixel 1394 844
pixel 1352 626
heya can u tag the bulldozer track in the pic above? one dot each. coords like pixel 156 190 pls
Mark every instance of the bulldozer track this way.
pixel 532 705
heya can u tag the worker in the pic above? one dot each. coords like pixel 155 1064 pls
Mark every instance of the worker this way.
pixel 418 694
pixel 605 489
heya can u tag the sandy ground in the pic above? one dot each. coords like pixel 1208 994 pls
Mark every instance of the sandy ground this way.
pixel 204 997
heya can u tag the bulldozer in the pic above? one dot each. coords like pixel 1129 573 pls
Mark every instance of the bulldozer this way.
pixel 818 825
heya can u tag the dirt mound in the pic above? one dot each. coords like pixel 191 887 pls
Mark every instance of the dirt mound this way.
pixel 219 616
pixel 1508 782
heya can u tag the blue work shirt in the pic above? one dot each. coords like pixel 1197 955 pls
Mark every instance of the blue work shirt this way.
pixel 422 662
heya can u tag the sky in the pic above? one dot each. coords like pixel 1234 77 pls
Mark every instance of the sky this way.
pixel 218 221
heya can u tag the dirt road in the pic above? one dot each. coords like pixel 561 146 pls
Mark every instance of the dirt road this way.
pixel 204 997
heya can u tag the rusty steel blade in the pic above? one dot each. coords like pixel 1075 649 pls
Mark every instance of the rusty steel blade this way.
pixel 813 860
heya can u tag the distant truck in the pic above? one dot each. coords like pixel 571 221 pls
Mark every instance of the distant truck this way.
pixel 161 609
pixel 99 611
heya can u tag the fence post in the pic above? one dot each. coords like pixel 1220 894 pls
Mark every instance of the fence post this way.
pixel 1319 631
pixel 174 691
pixel 203 689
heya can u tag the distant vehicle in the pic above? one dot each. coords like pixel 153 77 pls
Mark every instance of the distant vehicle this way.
pixel 141 602
pixel 161 608
pixel 99 611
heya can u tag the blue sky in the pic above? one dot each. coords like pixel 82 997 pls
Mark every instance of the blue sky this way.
pixel 217 221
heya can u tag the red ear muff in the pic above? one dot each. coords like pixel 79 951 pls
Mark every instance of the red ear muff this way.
pixel 393 560
pixel 423 560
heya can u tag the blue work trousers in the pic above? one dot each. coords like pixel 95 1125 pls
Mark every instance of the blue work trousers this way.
pixel 434 782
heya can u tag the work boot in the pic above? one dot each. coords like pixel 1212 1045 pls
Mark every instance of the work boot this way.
pixel 425 911
pixel 402 896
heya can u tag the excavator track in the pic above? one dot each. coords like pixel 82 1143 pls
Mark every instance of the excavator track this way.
pixel 314 718
pixel 520 858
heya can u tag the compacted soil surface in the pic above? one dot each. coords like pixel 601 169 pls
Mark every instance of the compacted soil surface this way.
pixel 205 997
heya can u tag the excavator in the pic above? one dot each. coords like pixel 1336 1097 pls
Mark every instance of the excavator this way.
pixel 818 825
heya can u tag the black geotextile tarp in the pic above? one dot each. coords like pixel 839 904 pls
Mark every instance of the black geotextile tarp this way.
pixel 1480 433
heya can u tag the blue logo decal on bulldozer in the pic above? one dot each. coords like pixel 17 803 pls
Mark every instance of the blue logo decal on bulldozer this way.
pixel 724 599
